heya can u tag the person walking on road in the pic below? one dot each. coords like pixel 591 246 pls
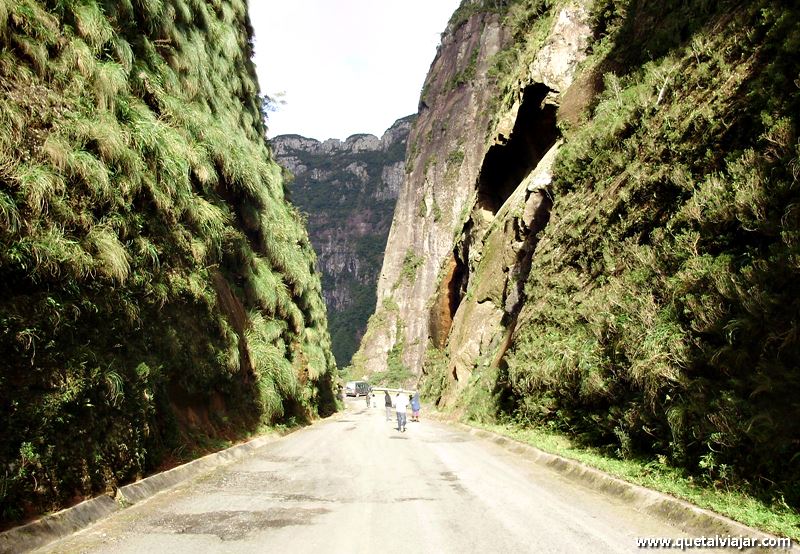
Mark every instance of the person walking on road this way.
pixel 387 401
pixel 415 407
pixel 400 404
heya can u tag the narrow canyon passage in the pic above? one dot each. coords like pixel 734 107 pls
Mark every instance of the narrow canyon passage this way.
pixel 354 484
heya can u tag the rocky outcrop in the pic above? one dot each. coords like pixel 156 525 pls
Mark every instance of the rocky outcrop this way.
pixel 348 190
pixel 446 147
pixel 513 203
pixel 598 231
pixel 469 208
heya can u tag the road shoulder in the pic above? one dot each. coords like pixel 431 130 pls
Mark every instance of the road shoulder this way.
pixel 675 512
pixel 58 525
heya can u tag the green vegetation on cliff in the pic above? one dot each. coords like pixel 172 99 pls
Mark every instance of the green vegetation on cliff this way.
pixel 650 315
pixel 662 303
pixel 348 193
pixel 155 286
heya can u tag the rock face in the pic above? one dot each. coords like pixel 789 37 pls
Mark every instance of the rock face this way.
pixel 598 231
pixel 348 189
pixel 512 203
pixel 464 193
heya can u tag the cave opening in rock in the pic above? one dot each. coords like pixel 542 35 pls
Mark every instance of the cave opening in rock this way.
pixel 451 290
pixel 457 286
pixel 505 165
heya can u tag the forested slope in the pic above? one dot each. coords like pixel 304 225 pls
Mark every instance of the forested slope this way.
pixel 348 190
pixel 155 287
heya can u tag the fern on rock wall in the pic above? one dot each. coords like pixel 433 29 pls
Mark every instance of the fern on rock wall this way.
pixel 150 268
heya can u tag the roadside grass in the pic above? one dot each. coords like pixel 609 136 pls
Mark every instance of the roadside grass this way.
pixel 772 518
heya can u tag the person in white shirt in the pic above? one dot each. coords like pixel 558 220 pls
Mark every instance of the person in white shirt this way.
pixel 400 404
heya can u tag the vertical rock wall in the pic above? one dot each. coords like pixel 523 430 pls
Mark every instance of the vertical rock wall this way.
pixel 446 146
pixel 474 196
pixel 348 191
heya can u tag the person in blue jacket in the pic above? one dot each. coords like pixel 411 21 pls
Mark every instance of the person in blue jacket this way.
pixel 415 407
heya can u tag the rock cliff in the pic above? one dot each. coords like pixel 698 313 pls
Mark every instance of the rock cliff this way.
pixel 348 190
pixel 446 146
pixel 467 158
pixel 597 230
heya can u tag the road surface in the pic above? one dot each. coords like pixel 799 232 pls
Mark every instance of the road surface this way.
pixel 354 484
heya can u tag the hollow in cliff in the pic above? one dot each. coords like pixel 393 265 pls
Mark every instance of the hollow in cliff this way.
pixel 506 164
pixel 448 297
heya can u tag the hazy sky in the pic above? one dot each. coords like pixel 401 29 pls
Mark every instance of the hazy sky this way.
pixel 345 66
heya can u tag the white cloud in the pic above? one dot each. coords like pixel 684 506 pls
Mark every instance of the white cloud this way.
pixel 345 66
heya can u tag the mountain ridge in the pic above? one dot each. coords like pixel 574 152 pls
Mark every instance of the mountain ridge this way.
pixel 348 190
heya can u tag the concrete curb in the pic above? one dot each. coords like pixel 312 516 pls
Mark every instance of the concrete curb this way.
pixel 70 520
pixel 60 524
pixel 686 517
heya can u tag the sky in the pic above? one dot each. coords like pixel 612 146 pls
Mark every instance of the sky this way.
pixel 344 66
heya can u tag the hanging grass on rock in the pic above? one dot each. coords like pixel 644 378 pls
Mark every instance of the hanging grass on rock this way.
pixel 665 315
pixel 157 289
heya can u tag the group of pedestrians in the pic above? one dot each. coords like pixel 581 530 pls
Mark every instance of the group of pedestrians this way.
pixel 400 404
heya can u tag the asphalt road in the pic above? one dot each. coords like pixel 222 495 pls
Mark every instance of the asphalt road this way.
pixel 354 484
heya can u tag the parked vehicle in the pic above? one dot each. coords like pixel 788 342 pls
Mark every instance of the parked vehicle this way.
pixel 356 388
